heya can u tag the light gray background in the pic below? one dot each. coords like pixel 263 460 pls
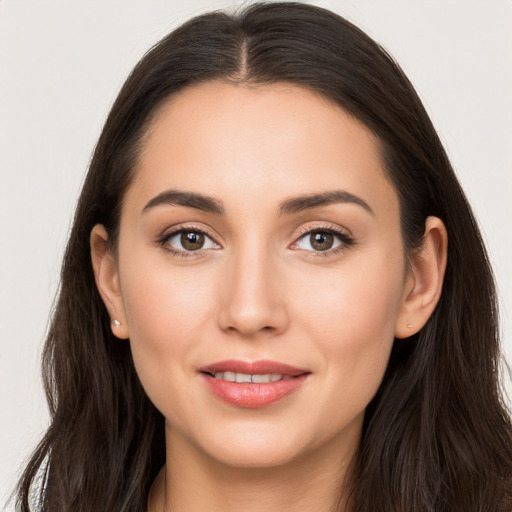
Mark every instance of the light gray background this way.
pixel 61 65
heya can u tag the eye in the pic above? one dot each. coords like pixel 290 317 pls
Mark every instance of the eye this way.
pixel 189 240
pixel 321 240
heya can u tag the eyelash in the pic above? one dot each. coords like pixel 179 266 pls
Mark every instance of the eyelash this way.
pixel 162 241
pixel 345 239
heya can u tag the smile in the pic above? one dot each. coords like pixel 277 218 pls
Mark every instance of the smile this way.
pixel 247 378
pixel 252 385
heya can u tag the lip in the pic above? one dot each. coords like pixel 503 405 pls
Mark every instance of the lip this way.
pixel 254 367
pixel 253 395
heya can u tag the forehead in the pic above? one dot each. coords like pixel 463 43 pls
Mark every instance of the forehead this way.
pixel 269 142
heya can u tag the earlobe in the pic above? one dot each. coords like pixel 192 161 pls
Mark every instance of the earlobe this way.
pixel 424 282
pixel 107 280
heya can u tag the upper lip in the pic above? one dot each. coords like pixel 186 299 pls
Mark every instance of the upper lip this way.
pixel 261 367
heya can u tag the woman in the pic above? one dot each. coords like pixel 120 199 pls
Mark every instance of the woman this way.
pixel 271 221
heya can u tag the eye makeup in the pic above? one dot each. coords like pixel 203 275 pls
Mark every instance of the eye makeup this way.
pixel 186 240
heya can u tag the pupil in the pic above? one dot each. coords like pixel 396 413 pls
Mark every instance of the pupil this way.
pixel 192 241
pixel 321 241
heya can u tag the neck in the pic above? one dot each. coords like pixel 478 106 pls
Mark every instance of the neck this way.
pixel 192 481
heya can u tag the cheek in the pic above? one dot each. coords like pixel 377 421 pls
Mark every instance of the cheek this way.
pixel 165 312
pixel 354 300
pixel 161 301
pixel 351 315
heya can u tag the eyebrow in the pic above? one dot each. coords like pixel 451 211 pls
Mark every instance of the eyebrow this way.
pixel 189 199
pixel 300 203
pixel 288 207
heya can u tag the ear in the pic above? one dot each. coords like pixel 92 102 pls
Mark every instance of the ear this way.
pixel 106 276
pixel 424 281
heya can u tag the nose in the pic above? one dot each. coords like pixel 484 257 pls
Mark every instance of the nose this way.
pixel 252 298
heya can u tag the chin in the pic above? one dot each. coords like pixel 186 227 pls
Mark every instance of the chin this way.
pixel 263 445
pixel 248 444
pixel 255 456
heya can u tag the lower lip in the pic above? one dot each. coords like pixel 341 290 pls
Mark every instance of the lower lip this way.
pixel 252 395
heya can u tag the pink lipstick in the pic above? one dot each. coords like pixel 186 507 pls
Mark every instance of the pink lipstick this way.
pixel 252 385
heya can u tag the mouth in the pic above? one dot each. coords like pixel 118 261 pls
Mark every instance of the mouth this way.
pixel 242 378
pixel 253 384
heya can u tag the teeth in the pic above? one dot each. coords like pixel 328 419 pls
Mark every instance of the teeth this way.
pixel 262 379
pixel 243 377
pixel 246 378
pixel 231 376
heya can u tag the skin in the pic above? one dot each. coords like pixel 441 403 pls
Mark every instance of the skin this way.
pixel 259 290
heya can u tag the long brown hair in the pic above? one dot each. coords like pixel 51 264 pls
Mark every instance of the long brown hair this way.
pixel 436 437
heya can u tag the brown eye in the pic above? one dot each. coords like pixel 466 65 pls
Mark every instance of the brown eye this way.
pixel 189 240
pixel 321 241
pixel 192 240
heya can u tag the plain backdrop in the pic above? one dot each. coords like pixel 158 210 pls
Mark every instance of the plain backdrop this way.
pixel 61 66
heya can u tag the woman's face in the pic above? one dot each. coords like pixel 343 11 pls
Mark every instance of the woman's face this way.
pixel 260 240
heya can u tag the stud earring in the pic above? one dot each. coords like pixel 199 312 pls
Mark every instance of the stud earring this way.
pixel 409 326
pixel 115 323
